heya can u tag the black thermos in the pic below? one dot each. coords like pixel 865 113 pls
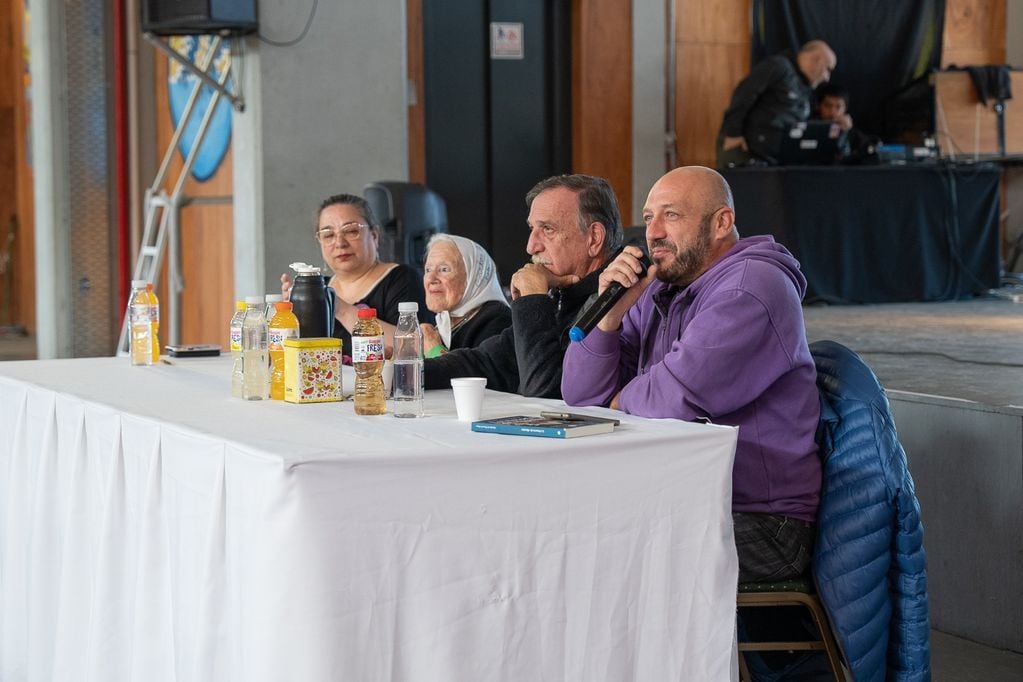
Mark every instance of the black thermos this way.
pixel 313 304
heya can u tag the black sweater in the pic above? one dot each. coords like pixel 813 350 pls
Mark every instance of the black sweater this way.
pixel 491 318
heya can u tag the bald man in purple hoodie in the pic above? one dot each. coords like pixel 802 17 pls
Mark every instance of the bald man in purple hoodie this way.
pixel 714 330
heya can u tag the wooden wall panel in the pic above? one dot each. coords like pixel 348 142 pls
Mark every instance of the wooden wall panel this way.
pixel 707 75
pixel 8 169
pixel 16 199
pixel 416 110
pixel 712 22
pixel 602 94
pixel 974 32
pixel 207 240
pixel 712 56
pixel 966 56
pixel 965 126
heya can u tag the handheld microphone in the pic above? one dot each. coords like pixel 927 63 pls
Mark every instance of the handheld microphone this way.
pixel 598 309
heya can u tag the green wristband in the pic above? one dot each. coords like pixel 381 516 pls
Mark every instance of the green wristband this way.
pixel 436 351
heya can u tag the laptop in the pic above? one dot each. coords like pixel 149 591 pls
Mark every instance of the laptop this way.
pixel 812 143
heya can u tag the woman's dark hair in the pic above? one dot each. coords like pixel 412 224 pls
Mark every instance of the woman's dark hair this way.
pixel 360 204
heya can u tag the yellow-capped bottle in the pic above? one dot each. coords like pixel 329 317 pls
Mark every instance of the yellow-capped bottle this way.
pixel 140 324
pixel 283 325
pixel 236 348
pixel 368 358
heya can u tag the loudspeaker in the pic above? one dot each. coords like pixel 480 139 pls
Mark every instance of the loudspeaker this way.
pixel 198 17
pixel 409 214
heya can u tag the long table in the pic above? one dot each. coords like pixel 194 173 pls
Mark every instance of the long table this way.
pixel 153 528
pixel 879 234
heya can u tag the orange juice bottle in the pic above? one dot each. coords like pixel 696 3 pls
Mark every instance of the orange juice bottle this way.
pixel 141 324
pixel 283 325
pixel 154 319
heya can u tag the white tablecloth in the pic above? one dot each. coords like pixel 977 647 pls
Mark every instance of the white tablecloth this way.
pixel 154 528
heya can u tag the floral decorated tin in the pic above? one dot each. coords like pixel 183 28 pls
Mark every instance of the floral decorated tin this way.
pixel 312 370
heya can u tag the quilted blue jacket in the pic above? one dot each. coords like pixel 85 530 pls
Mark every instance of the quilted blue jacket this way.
pixel 869 563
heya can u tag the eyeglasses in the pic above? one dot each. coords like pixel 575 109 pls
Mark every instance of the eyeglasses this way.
pixel 351 232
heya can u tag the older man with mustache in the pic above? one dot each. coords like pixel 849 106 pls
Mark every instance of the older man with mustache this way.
pixel 574 230
pixel 713 330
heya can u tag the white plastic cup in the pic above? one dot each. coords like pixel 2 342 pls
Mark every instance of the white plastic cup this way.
pixel 468 397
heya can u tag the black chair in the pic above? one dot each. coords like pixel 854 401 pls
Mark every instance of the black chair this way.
pixel 409 215
pixel 634 234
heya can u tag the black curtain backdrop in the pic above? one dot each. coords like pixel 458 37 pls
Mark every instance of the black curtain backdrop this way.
pixel 881 45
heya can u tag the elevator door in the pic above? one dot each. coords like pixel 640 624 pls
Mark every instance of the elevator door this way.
pixel 495 125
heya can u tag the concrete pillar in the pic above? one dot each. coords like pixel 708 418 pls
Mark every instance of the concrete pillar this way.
pixel 649 99
pixel 326 115
pixel 50 179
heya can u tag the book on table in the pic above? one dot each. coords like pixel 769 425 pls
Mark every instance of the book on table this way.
pixel 566 426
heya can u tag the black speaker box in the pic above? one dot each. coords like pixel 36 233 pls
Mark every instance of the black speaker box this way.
pixel 198 17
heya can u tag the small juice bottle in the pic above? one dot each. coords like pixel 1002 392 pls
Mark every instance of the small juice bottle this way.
pixel 154 318
pixel 141 324
pixel 368 358
pixel 283 325
pixel 236 349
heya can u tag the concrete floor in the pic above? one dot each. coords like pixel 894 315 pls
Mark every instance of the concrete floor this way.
pixel 960 660
pixel 964 349
pixel 967 349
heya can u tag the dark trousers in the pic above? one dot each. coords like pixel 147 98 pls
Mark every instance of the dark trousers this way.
pixel 772 548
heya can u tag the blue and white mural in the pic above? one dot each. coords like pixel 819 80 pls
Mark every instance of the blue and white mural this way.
pixel 180 82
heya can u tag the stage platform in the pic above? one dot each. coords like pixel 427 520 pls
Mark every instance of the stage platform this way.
pixel 954 376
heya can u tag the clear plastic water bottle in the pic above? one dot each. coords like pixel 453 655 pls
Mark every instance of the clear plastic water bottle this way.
pixel 407 384
pixel 236 349
pixel 255 356
pixel 141 324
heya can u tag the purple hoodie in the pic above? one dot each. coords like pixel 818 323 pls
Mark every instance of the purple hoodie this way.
pixel 731 347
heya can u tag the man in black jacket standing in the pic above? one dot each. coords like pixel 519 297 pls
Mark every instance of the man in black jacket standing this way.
pixel 574 230
pixel 776 94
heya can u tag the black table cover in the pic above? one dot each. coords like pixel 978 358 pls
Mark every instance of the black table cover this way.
pixel 878 234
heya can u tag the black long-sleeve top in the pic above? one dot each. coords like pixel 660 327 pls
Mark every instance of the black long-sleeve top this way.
pixel 766 103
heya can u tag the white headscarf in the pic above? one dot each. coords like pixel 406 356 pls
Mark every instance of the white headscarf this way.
pixel 481 283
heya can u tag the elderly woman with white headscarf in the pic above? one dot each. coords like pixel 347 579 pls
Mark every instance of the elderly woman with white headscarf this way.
pixel 462 288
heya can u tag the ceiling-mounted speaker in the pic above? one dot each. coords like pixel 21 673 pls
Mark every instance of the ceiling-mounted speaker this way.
pixel 198 17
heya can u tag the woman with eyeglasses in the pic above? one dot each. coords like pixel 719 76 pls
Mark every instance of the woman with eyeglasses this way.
pixel 349 234
pixel 463 290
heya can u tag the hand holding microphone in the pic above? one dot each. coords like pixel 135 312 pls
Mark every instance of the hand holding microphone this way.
pixel 626 274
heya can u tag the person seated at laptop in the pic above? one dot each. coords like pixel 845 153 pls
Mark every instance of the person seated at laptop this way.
pixel 776 94
pixel 713 330
pixel 833 105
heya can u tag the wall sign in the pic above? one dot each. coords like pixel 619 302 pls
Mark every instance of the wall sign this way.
pixel 506 40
